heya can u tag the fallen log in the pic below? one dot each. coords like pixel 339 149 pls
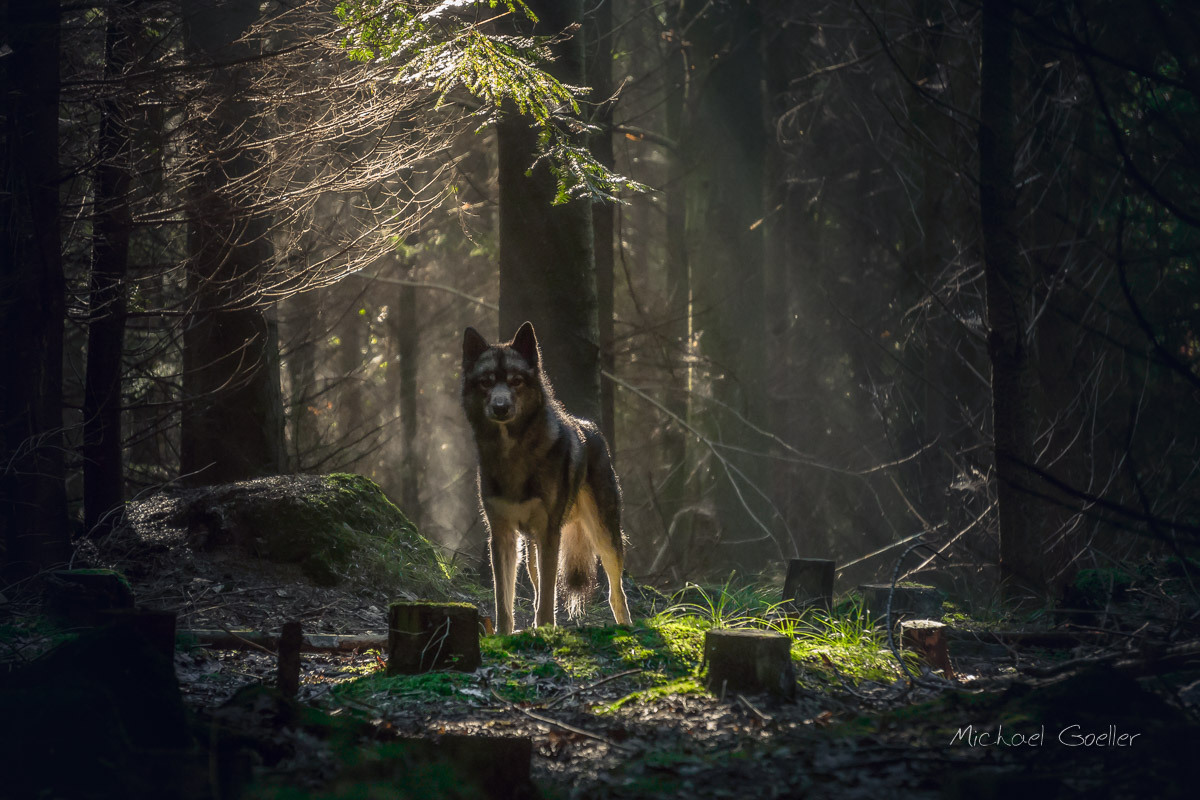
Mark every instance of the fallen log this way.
pixel 310 642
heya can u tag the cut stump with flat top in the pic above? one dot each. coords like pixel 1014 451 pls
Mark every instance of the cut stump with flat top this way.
pixel 927 638
pixel 750 662
pixel 291 639
pixel 809 583
pixel 429 636
pixel 908 602
pixel 158 627
pixel 452 766
pixel 77 597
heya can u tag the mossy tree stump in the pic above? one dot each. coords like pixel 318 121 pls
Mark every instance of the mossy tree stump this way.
pixel 500 764
pixel 78 597
pixel 927 637
pixel 158 627
pixel 809 583
pixel 450 766
pixel 908 602
pixel 428 636
pixel 291 639
pixel 749 661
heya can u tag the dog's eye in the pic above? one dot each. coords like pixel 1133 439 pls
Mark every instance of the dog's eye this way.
pixel 487 382
pixel 516 381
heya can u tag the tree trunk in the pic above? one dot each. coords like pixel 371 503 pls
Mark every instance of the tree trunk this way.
pixel 675 489
pixel 103 463
pixel 404 329
pixel 724 151
pixel 33 524
pixel 302 371
pixel 352 335
pixel 547 268
pixel 783 49
pixel 233 415
pixel 598 33
pixel 1009 286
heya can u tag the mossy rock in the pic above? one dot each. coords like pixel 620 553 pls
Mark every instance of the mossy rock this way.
pixel 328 525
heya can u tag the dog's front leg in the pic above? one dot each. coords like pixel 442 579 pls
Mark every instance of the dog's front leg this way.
pixel 547 587
pixel 503 544
pixel 533 568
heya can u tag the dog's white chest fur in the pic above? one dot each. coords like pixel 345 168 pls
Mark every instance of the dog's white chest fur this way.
pixel 527 515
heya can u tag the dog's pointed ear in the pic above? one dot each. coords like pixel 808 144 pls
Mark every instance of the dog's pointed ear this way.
pixel 473 346
pixel 526 345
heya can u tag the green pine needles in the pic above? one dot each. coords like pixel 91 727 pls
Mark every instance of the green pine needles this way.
pixel 445 47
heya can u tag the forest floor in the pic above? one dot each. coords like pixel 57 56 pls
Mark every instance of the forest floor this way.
pixel 1102 711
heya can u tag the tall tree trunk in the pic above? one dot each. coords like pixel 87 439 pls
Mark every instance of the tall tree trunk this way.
pixel 724 151
pixel 33 519
pixel 783 48
pixel 103 464
pixel 352 335
pixel 1009 286
pixel 233 417
pixel 674 492
pixel 598 30
pixel 302 371
pixel 547 268
pixel 404 334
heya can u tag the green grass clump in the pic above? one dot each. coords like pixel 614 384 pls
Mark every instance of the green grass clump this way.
pixel 840 644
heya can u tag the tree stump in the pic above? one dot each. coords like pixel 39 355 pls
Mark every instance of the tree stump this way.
pixel 501 764
pixel 76 597
pixel 429 636
pixel 809 583
pixel 291 638
pixel 158 627
pixel 927 637
pixel 749 661
pixel 908 602
pixel 453 765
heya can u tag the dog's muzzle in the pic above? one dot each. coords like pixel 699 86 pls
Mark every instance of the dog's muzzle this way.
pixel 500 410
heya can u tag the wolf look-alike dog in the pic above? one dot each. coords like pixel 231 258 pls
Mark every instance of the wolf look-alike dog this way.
pixel 544 475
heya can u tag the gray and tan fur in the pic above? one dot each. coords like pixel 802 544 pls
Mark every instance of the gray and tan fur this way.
pixel 545 478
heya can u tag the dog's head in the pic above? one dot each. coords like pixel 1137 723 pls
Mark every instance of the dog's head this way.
pixel 502 383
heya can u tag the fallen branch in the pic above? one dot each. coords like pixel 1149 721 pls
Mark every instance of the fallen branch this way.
pixel 570 728
pixel 763 718
pixel 1180 656
pixel 225 639
pixel 253 645
pixel 590 686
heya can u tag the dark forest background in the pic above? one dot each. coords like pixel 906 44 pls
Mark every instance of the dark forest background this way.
pixel 902 271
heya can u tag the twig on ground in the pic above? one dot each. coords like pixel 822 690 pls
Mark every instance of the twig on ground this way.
pixel 763 718
pixel 571 728
pixel 589 687
pixel 253 645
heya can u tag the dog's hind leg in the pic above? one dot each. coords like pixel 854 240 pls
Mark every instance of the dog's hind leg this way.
pixel 503 544
pixel 613 561
pixel 547 578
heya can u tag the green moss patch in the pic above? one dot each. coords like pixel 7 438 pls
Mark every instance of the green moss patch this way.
pixel 378 689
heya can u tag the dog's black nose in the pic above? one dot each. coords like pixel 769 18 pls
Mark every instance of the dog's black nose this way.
pixel 501 408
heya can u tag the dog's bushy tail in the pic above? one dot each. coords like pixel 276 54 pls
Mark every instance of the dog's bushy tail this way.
pixel 578 553
pixel 577 568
